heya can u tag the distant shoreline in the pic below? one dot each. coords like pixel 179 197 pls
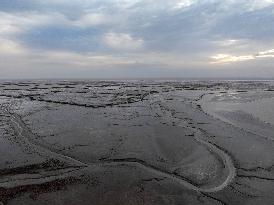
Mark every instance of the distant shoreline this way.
pixel 132 79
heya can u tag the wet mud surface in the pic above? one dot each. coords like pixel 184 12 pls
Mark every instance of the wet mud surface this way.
pixel 136 142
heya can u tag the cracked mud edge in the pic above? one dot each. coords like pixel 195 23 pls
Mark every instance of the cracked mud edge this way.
pixel 39 99
pixel 214 198
pixel 168 175
pixel 255 177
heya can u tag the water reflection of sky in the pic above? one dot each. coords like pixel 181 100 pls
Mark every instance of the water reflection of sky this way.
pixel 258 104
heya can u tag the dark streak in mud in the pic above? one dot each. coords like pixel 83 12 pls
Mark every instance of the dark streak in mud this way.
pixel 37 189
pixel 34 168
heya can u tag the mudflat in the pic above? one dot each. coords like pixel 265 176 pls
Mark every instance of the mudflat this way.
pixel 136 142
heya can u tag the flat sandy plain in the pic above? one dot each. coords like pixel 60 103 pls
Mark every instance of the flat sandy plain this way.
pixel 136 142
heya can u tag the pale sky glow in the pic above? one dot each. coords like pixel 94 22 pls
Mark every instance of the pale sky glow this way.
pixel 136 38
pixel 226 58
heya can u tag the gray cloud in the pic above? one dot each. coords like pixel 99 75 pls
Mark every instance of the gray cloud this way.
pixel 136 37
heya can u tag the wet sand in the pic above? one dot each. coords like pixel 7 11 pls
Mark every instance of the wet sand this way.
pixel 135 142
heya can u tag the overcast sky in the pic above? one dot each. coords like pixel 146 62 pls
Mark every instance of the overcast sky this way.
pixel 136 38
